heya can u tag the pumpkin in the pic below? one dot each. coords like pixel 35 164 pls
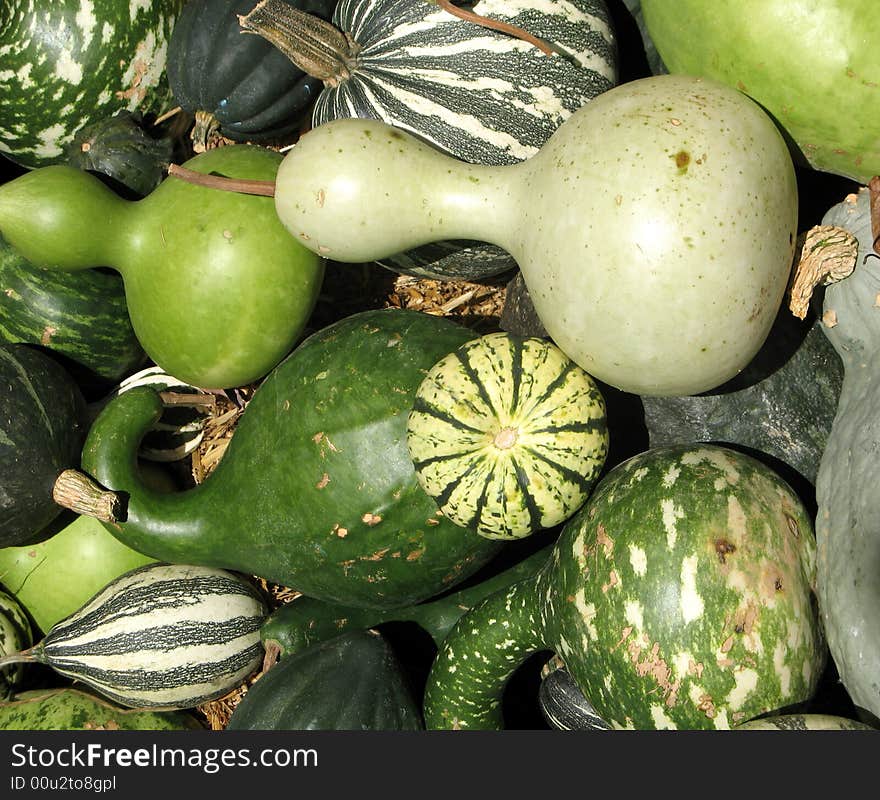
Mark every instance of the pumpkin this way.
pixel 42 427
pixel 508 435
pixel 848 519
pixel 480 95
pixel 353 681
pixel 67 64
pixel 680 596
pixel 238 86
pixel 615 223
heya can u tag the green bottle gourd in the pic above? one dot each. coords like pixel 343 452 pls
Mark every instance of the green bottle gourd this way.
pixel 217 291
pixel 655 229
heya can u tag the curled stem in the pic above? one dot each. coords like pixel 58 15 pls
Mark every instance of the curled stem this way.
pixel 494 24
pixel 240 185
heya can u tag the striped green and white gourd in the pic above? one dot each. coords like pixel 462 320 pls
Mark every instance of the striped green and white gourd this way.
pixel 482 96
pixel 508 435
pixel 67 63
pixel 163 636
pixel 15 635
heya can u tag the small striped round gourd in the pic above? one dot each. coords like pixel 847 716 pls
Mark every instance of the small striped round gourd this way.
pixel 508 435
pixel 163 636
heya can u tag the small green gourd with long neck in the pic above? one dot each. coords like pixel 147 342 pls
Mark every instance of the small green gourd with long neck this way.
pixel 848 519
pixel 655 229
pixel 216 289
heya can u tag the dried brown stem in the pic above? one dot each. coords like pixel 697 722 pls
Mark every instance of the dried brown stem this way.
pixel 78 492
pixel 242 186
pixel 827 254
pixel 494 24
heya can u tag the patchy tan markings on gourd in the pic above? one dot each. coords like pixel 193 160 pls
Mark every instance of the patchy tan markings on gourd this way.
pixel 371 519
pixel 325 479
pixel 613 580
pixel 604 541
pixel 415 555
pixel 46 336
pixel 690 601
pixel 670 515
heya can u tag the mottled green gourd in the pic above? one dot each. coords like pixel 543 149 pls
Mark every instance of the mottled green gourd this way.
pixel 655 229
pixel 508 435
pixel 848 518
pixel 679 596
pixel 316 490
pixel 15 635
pixel 217 291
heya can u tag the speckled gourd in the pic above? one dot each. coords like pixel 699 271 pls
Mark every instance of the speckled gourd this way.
pixel 679 596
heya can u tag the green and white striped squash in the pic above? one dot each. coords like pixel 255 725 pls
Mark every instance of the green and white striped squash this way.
pixel 15 635
pixel 67 63
pixel 482 96
pixel 681 595
pixel 508 435
pixel 163 636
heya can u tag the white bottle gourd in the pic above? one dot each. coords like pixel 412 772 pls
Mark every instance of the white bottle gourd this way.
pixel 655 230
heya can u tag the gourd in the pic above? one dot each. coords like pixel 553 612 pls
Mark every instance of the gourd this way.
pixel 217 291
pixel 82 316
pixel 163 636
pixel 67 709
pixel 238 86
pixel 655 230
pixel 481 95
pixel 66 65
pixel 316 489
pixel 564 706
pixel 679 596
pixel 306 621
pixel 848 518
pixel 804 722
pixel 120 148
pixel 761 48
pixel 352 682
pixel 15 635
pixel 42 428
pixel 508 435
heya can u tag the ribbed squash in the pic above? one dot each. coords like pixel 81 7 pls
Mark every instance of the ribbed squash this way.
pixel 483 96
pixel 353 681
pixel 508 435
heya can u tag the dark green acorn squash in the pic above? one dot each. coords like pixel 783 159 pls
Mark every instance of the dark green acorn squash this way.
pixel 42 426
pixel 351 682
pixel 81 316
pixel 316 490
pixel 239 86
pixel 120 148
pixel 848 520
pixel 483 96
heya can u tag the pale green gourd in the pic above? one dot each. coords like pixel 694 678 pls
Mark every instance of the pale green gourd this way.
pixel 655 230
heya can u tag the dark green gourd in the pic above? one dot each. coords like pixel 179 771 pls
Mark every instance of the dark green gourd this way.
pixel 316 490
pixel 679 596
pixel 238 85
pixel 42 427
pixel 848 520
pixel 483 96
pixel 352 682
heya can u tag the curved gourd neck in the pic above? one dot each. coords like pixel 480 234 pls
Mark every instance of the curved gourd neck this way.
pixel 166 526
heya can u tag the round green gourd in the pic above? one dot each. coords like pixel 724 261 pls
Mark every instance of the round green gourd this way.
pixel 481 95
pixel 67 64
pixel 15 635
pixel 352 682
pixel 508 435
pixel 655 229
pixel 217 291
pixel 316 490
pixel 761 47
pixel 848 518
pixel 76 710
pixel 679 596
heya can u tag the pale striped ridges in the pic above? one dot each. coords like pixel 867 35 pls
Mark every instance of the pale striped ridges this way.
pixel 162 636
pixel 508 435
pixel 482 96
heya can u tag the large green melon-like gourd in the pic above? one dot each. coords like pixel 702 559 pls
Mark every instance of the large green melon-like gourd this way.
pixel 848 520
pixel 508 435
pixel 813 66
pixel 68 63
pixel 680 596
pixel 316 490
pixel 480 95
pixel 352 682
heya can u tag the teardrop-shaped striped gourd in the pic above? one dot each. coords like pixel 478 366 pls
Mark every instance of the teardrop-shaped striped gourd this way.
pixel 161 636
pixel 508 435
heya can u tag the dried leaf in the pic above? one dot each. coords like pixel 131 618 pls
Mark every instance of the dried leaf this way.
pixel 827 254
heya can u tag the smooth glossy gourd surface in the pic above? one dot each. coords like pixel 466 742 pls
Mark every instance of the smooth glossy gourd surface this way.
pixel 655 229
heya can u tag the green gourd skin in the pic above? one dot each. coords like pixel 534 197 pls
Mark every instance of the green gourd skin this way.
pixel 216 289
pixel 848 518
pixel 655 229
pixel 316 490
